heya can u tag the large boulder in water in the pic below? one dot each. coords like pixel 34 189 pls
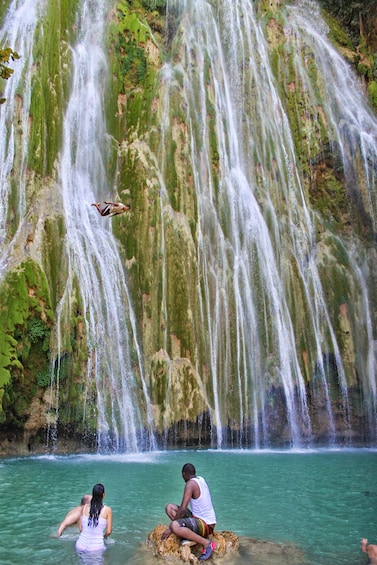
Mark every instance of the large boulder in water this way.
pixel 171 549
pixel 229 549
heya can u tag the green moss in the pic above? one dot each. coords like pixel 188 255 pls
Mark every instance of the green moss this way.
pixel 345 34
pixel 152 5
pixel 372 93
pixel 3 8
pixel 127 38
pixel 52 253
pixel 72 409
pixel 43 377
pixel 329 198
pixel 159 385
pixel 26 320
pixel 132 69
pixel 364 69
pixel 37 330
pixel 268 9
pixel 337 33
pixel 50 85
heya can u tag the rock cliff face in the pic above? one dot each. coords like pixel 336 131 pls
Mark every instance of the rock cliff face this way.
pixel 254 336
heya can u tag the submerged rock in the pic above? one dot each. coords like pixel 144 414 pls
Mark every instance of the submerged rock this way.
pixel 262 552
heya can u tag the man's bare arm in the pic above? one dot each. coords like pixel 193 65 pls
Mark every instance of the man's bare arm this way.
pixel 188 493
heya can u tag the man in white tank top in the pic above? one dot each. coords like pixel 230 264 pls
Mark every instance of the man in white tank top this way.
pixel 197 524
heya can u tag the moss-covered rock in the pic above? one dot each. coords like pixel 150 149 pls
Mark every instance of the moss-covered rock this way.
pixel 51 83
pixel 26 318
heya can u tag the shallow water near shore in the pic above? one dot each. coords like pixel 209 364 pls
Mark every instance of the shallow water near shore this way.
pixel 322 502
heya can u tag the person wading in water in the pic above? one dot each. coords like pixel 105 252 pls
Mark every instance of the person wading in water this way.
pixel 96 523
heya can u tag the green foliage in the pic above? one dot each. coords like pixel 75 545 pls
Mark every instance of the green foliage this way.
pixel 43 377
pixel 364 70
pixel 133 63
pixel 151 5
pixel 5 55
pixel 6 72
pixel 352 14
pixel 129 38
pixel 134 67
pixel 9 361
pixel 25 320
pixel 337 32
pixel 36 329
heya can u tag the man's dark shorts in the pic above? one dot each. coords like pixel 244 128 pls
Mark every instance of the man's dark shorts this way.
pixel 197 525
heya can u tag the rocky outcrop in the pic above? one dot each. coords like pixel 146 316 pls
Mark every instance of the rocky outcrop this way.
pixel 171 549
pixel 228 548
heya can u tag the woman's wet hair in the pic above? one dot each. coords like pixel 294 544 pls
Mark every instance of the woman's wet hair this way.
pixel 96 504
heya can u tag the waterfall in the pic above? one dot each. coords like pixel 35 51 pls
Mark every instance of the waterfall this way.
pixel 116 392
pixel 255 223
pixel 234 255
pixel 274 354
pixel 94 263
pixel 17 32
pixel 353 130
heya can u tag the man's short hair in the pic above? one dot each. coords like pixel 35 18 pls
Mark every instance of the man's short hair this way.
pixel 86 499
pixel 188 469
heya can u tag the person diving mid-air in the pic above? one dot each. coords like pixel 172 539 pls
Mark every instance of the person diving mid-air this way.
pixel 111 208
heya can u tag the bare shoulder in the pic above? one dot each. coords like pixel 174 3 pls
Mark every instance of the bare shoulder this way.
pixel 193 488
pixel 85 509
pixel 106 512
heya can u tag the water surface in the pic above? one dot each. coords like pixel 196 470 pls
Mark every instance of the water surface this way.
pixel 321 501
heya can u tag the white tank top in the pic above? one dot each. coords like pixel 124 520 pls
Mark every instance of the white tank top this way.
pixel 91 538
pixel 202 507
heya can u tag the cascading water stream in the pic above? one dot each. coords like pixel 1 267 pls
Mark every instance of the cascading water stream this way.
pixel 353 129
pixel 93 258
pixel 228 253
pixel 17 32
pixel 255 224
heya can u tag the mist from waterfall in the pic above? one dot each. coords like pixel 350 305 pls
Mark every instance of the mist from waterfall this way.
pixel 255 224
pixel 115 379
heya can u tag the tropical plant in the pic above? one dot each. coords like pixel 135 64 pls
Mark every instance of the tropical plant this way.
pixel 6 55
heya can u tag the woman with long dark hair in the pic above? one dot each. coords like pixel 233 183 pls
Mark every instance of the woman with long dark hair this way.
pixel 96 522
